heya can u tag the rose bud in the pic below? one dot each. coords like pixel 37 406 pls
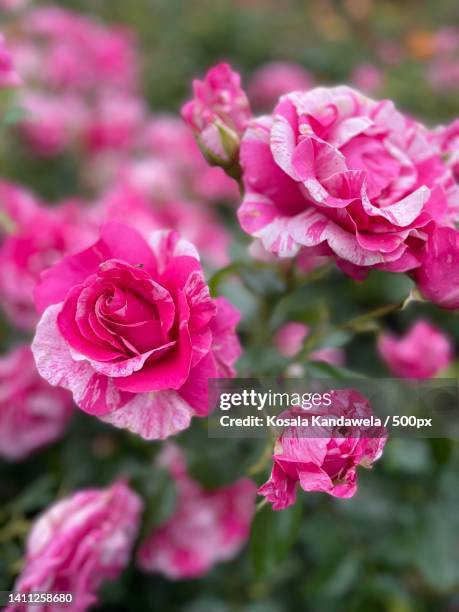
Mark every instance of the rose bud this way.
pixel 328 462
pixel 218 115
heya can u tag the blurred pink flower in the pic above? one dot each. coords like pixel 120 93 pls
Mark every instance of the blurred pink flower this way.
pixel 79 543
pixel 130 328
pixel 114 123
pixel 218 113
pixel 145 213
pixel 80 53
pixel 446 40
pixel 32 413
pixel 332 355
pixel 37 238
pixel 13 5
pixel 273 80
pixel 334 168
pixel 206 527
pixel 328 461
pixel 421 353
pixel 290 337
pixel 170 140
pixel 53 122
pixel 438 276
pixel 443 75
pixel 367 77
pixel 447 138
pixel 8 75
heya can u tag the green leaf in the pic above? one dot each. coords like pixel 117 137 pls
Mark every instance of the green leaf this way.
pixel 37 496
pixel 272 536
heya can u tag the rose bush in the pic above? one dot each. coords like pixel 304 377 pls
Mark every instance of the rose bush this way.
pixel 131 329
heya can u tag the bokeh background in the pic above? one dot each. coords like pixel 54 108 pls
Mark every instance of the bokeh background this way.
pixel 395 546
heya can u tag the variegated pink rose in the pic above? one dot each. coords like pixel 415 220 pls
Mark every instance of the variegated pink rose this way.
pixel 206 527
pixel 79 543
pixel 323 458
pixel 421 353
pixel 32 413
pixel 130 328
pixel 334 168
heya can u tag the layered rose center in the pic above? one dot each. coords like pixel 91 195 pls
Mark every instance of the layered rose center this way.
pixel 119 313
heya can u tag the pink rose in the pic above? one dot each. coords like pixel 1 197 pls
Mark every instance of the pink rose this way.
pixel 218 113
pixel 8 75
pixel 421 353
pixel 206 527
pixel 131 329
pixel 334 168
pixel 438 276
pixel 272 80
pixel 290 337
pixel 78 543
pixel 32 414
pixel 328 462
pixel 36 240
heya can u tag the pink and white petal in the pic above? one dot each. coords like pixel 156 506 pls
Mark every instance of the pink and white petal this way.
pixel 263 175
pixel 166 245
pixel 403 212
pixel 311 228
pixel 128 366
pixel 153 416
pixel 56 365
pixel 283 143
pixel 195 391
pixel 226 347
pixel 256 212
pixel 345 131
